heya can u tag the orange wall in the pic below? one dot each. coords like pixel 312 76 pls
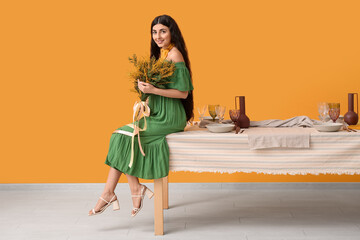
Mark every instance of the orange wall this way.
pixel 64 85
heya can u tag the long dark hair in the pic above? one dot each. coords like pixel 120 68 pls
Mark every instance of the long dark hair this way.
pixel 178 40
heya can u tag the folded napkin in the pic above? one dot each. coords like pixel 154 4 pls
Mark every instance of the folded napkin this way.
pixel 260 138
pixel 299 121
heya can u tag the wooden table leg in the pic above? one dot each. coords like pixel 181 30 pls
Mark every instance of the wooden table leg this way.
pixel 159 215
pixel 166 192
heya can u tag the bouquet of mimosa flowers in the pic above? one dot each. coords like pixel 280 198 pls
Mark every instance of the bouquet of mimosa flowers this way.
pixel 150 70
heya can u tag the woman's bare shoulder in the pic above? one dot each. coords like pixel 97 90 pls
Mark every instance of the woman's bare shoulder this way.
pixel 175 55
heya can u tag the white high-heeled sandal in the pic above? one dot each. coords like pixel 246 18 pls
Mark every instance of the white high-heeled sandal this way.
pixel 116 205
pixel 149 194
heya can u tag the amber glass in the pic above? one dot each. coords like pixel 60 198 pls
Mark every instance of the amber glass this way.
pixel 234 115
pixel 334 111
pixel 212 111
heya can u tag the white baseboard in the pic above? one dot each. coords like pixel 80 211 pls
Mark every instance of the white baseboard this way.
pixel 243 186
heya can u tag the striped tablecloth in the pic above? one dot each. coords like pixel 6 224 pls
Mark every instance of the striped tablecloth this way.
pixel 203 151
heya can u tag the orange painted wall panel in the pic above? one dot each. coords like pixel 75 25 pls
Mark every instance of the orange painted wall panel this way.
pixel 65 86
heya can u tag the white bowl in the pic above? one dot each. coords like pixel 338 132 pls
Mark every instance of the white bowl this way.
pixel 328 127
pixel 220 128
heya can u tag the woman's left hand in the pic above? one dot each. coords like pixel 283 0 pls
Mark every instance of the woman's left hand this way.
pixel 145 87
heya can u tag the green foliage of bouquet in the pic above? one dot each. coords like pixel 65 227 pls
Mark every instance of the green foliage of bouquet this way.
pixel 150 70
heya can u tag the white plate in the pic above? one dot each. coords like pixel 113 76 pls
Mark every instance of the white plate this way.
pixel 328 127
pixel 220 128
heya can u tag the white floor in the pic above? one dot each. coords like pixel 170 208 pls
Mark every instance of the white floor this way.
pixel 197 211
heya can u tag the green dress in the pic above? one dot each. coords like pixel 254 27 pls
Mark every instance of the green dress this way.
pixel 167 115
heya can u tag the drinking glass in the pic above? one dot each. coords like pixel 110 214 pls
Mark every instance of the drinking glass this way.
pixel 202 111
pixel 212 111
pixel 220 111
pixel 323 109
pixel 234 115
pixel 334 111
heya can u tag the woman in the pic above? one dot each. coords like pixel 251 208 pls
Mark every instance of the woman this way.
pixel 170 109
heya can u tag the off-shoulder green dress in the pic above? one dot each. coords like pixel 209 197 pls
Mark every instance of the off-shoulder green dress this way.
pixel 167 115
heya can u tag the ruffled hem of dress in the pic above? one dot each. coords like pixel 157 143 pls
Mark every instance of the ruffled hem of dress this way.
pixel 154 165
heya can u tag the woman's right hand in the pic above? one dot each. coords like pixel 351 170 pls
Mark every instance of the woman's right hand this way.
pixel 146 87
